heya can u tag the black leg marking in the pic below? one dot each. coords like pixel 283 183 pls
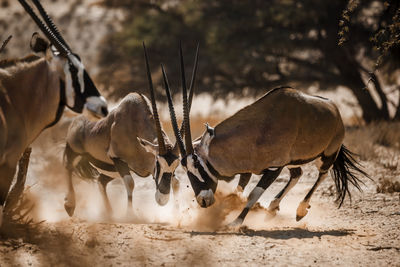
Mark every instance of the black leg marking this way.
pixel 6 177
pixel 266 180
pixel 104 180
pixel 244 180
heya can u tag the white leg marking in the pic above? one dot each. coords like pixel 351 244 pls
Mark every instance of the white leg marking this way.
pixel 274 205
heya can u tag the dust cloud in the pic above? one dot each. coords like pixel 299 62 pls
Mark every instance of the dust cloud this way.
pixel 47 179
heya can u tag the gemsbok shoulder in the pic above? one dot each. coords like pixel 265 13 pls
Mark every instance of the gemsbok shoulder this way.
pixel 284 128
pixel 34 91
pixel 129 139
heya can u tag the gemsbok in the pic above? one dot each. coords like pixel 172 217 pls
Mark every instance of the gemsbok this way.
pixel 284 128
pixel 123 142
pixel 34 91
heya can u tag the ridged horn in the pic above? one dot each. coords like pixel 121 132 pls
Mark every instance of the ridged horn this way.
pixel 50 23
pixel 186 119
pixel 46 30
pixel 191 93
pixel 161 142
pixel 172 114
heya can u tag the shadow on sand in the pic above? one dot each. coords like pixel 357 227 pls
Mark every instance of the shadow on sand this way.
pixel 279 234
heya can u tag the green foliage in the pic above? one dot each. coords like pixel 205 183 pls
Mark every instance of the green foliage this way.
pixel 251 46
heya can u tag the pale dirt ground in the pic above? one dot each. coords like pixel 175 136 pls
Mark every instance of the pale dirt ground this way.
pixel 365 233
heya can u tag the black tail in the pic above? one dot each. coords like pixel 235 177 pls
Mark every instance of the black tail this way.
pixel 344 171
pixel 83 169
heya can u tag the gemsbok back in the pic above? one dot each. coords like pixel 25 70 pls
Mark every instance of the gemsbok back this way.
pixel 34 91
pixel 123 142
pixel 284 128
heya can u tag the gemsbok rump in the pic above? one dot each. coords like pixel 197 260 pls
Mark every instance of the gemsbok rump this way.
pixel 34 91
pixel 284 128
pixel 123 142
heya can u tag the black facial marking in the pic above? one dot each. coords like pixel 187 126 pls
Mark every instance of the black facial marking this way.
pixel 165 184
pixel 61 105
pixel 216 174
pixel 157 171
pixel 169 157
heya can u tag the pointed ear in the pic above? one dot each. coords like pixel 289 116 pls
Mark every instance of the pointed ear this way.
pixel 38 43
pixel 148 146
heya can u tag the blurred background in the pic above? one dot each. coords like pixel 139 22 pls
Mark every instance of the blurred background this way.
pixel 348 51
pixel 246 47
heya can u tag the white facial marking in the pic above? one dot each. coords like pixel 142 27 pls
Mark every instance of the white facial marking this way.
pixel 165 168
pixel 161 198
pixel 69 90
pixel 75 61
pixel 95 104
pixel 192 169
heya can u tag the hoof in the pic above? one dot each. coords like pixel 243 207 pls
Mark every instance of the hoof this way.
pixel 69 209
pixel 302 210
pixel 273 208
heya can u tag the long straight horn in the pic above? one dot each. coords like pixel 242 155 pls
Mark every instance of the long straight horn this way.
pixel 191 92
pixel 161 142
pixel 172 114
pixel 188 135
pixel 50 23
pixel 49 34
pixel 192 81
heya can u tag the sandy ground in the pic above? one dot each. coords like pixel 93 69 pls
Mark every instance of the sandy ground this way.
pixel 365 233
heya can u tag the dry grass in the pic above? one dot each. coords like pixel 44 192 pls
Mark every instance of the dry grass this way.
pixel 387 185
pixel 367 141
pixel 18 206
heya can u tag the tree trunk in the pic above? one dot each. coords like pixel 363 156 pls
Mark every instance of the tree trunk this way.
pixel 350 72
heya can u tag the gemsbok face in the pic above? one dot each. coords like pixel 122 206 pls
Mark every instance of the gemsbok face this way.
pixel 284 128
pixel 79 91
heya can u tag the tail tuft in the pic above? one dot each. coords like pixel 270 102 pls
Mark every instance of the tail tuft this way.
pixel 344 170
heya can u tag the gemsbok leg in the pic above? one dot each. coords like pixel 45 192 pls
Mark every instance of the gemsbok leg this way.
pixel 295 174
pixel 243 181
pixel 103 182
pixel 327 163
pixel 266 180
pixel 124 171
pixel 6 177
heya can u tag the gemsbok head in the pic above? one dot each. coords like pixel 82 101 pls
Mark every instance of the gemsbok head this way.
pixel 35 90
pixel 130 138
pixel 80 91
pixel 284 128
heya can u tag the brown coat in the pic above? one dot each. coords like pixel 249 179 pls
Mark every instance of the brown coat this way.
pixel 282 127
